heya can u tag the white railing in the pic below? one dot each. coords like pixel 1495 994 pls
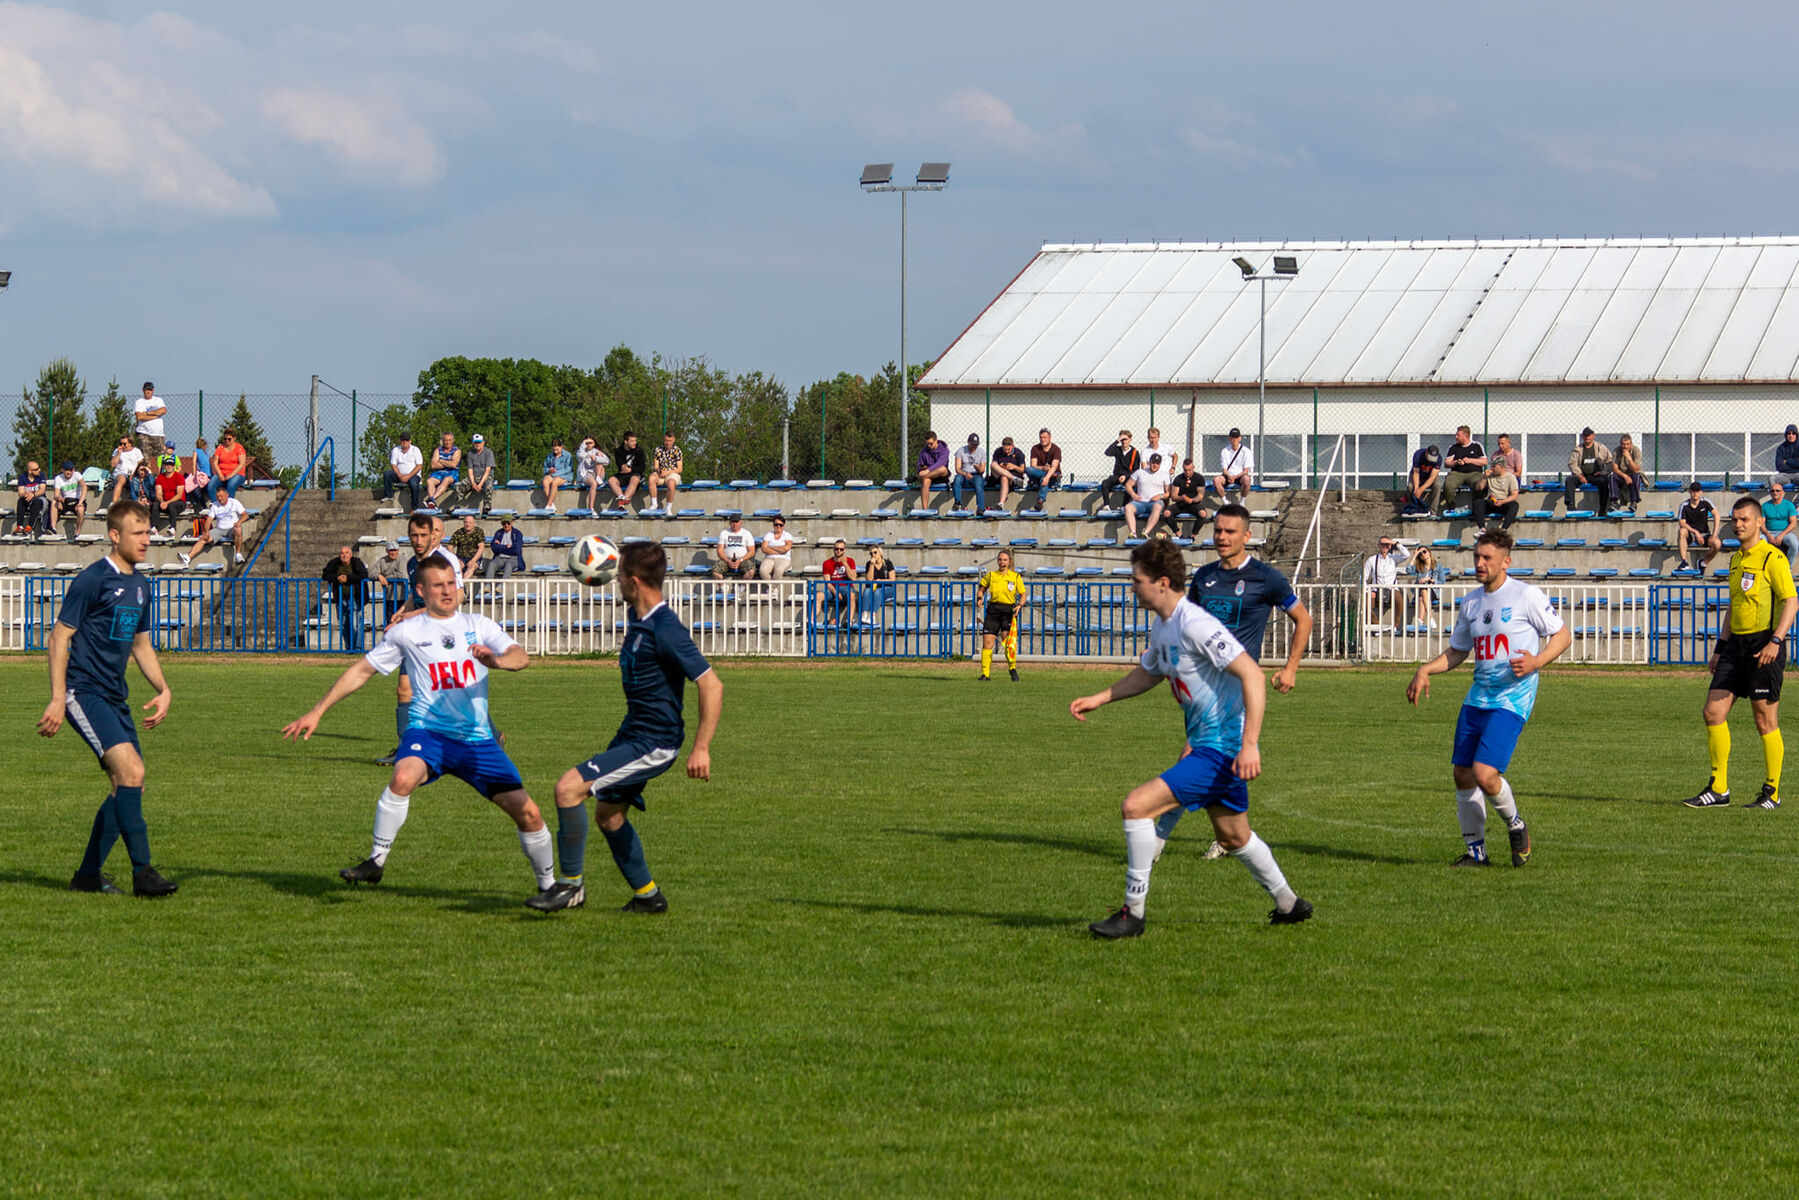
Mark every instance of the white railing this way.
pixel 1314 529
pixel 12 612
pixel 1412 622
pixel 558 616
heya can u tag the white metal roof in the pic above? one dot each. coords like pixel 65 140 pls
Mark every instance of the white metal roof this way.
pixel 1532 311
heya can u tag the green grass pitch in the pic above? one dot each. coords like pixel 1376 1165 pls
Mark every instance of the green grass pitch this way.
pixel 876 979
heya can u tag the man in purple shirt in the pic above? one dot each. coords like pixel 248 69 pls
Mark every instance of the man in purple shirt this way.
pixel 933 467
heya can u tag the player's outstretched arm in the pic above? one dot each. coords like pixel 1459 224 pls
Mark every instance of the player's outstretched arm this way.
pixel 357 674
pixel 60 637
pixel 1419 688
pixel 1288 675
pixel 712 699
pixel 1255 702
pixel 144 655
pixel 1134 684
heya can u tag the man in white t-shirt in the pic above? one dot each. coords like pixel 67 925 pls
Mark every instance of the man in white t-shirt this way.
pixel 1236 467
pixel 68 495
pixel 149 410
pixel 736 555
pixel 1146 488
pixel 125 458
pixel 406 464
pixel 1380 575
pixel 1171 460
pixel 221 521
pixel 777 551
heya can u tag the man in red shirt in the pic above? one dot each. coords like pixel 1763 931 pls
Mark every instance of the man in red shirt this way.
pixel 171 491
pixel 839 593
pixel 1046 466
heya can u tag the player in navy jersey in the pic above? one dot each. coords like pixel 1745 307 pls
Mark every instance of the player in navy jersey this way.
pixel 1241 590
pixel 655 660
pixel 426 533
pixel 103 624
pixel 447 655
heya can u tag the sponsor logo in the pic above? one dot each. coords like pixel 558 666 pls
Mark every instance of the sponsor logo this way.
pixel 1210 582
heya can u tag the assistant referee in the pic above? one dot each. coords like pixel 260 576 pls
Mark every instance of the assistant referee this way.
pixel 1750 657
pixel 1004 589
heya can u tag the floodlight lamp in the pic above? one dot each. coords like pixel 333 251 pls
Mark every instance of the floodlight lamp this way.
pixel 877 174
pixel 5 278
pixel 933 174
pixel 1249 272
pixel 1286 264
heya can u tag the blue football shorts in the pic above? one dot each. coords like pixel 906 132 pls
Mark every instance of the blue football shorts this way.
pixel 1205 778
pixel 618 774
pixel 101 723
pixel 1486 735
pixel 482 765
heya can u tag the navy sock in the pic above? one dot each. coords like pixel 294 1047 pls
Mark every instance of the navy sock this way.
pixel 571 840
pixel 100 841
pixel 627 852
pixel 402 715
pixel 128 809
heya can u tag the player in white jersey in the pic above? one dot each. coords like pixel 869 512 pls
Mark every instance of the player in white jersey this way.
pixel 426 533
pixel 1503 625
pixel 447 655
pixel 1221 693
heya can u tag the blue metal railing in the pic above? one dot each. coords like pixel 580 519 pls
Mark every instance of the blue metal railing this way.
pixel 1685 620
pixel 284 520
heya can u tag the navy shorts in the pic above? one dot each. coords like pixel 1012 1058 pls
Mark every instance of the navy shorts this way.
pixel 1486 735
pixel 1205 778
pixel 483 765
pixel 618 774
pixel 101 723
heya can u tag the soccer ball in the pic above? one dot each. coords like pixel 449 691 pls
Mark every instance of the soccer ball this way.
pixel 593 560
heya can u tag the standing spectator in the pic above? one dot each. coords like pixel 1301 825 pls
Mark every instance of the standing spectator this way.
pixel 1171 460
pixel 1464 465
pixel 1125 461
pixel 1589 462
pixel 1694 526
pixel 199 480
pixel 879 587
pixel 125 459
pixel 446 465
pixel 149 409
pixel 627 462
pixel 933 466
pixel 480 467
pixel 231 465
pixel 1627 475
pixel 971 471
pixel 837 595
pixel 171 492
pixel 558 472
pixel 1186 494
pixel 32 515
pixel 1236 468
pixel 1424 486
pixel 735 556
pixel 404 462
pixel 1779 512
pixel 1008 469
pixel 468 544
pixel 1380 575
pixel 1513 458
pixel 508 546
pixel 68 496
pixel 390 569
pixel 1145 491
pixel 1046 467
pixel 590 469
pixel 347 577
pixel 1498 494
pixel 667 474
pixel 777 550
pixel 1786 458
pixel 223 520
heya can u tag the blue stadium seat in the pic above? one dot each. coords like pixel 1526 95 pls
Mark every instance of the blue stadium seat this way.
pixel 1049 571
pixel 704 485
pixel 1101 543
pixel 1108 514
pixel 674 541
pixel 563 540
pixel 1521 572
pixel 1024 543
pixel 1540 514
pixel 744 485
pixel 1653 543
pixel 923 514
pixel 1033 514
pixel 959 514
pixel 1709 485
pixel 690 512
pixel 858 485
pixel 1659 514
pixel 1670 485
pixel 782 485
pixel 895 485
pixel 1560 573
pixel 530 539
pixel 884 514
pixel 1089 572
pixel 1528 543
pixel 909 541
pixel 874 541
pixel 765 514
pixel 1061 542
pixel 1610 543
pixel 1072 514
pixel 1580 514
pixel 1720 572
pixel 544 569
pixel 934 569
pixel 1646 573
pixel 1081 487
pixel 696 569
pixel 1134 542
pixel 984 543
pixel 1446 543
pixel 968 570
pixel 724 513
pixel 1570 543
pixel 1748 486
pixel 541 513
pixel 946 541
pixel 1603 573
pixel 1125 572
pixel 1458 514
pixel 1732 544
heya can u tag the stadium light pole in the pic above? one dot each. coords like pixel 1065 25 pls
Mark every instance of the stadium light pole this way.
pixel 878 177
pixel 1285 268
pixel 5 278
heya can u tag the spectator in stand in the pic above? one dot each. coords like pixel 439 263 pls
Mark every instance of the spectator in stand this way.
pixel 933 466
pixel 1627 475
pixel 838 595
pixel 1126 460
pixel 199 480
pixel 125 459
pixel 508 551
pixel 171 492
pixel 1498 493
pixel 1008 469
pixel 735 555
pixel 68 496
pixel 141 486
pixel 1512 457
pixel 231 465
pixel 1424 486
pixel 1171 460
pixel 558 472
pixel 1429 576
pixel 149 410
pixel 879 587
pixel 347 577
pixel 404 462
pixel 1589 462
pixel 468 544
pixel 1693 526
pixel 1380 575
pixel 223 520
pixel 628 473
pixel 1236 468
pixel 1786 459
pixel 480 467
pixel 1045 469
pixel 1145 490
pixel 32 514
pixel 1779 514
pixel 1186 494
pixel 590 469
pixel 1464 466
pixel 446 465
pixel 667 475
pixel 777 550
pixel 390 569
pixel 970 467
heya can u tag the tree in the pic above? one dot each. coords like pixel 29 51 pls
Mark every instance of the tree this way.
pixel 381 433
pixel 111 421
pixel 50 420
pixel 250 436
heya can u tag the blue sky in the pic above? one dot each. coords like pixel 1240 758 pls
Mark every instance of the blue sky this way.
pixel 233 197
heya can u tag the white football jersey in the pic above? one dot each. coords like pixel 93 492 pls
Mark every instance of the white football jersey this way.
pixel 449 687
pixel 1191 649
pixel 1513 619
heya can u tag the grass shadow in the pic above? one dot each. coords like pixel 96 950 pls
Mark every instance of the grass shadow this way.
pixel 50 883
pixel 1393 860
pixel 1003 919
pixel 1110 851
pixel 329 890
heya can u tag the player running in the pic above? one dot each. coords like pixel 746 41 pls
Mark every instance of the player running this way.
pixel 1221 693
pixel 1503 625
pixel 1750 658
pixel 103 623
pixel 426 533
pixel 1241 591
pixel 1004 589
pixel 655 660
pixel 447 655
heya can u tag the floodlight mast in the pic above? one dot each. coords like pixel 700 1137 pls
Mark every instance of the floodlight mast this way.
pixel 1285 267
pixel 5 278
pixel 878 177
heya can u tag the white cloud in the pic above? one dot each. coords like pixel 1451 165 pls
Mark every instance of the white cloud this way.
pixel 1235 152
pixel 552 48
pixel 992 118
pixel 377 138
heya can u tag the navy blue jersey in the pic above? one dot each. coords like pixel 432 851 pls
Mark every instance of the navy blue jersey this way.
pixel 106 608
pixel 1242 599
pixel 656 659
pixel 412 572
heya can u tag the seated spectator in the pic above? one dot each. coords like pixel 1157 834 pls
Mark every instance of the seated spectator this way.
pixel 125 459
pixel 1693 527
pixel 1589 462
pixel 1779 513
pixel 1498 493
pixel 970 470
pixel 837 598
pixel 1627 474
pixel 1236 468
pixel 1786 459
pixel 446 465
pixel 1464 466
pixel 170 497
pixel 1513 458
pixel 32 514
pixel 558 472
pixel 508 551
pixel 390 569
pixel 1171 460
pixel 222 521
pixel 933 466
pixel 735 555
pixel 231 465
pixel 590 469
pixel 1045 469
pixel 404 462
pixel 199 480
pixel 346 576
pixel 628 473
pixel 1008 469
pixel 1424 486
pixel 667 475
pixel 1145 491
pixel 68 496
pixel 1428 576
pixel 879 586
pixel 479 467
pixel 141 486
pixel 1185 496
pixel 468 544
pixel 777 550
pixel 1125 462
pixel 1380 576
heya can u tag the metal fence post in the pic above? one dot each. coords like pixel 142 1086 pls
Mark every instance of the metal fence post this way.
pixel 823 395
pixel 202 430
pixel 1152 411
pixel 989 434
pixel 1314 478
pixel 786 428
pixel 1657 471
pixel 1486 423
pixel 352 438
pixel 509 435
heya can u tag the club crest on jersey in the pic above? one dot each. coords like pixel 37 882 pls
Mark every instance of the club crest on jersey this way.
pixel 1748 581
pixel 1239 587
pixel 449 642
pixel 1505 614
pixel 468 637
pixel 1486 618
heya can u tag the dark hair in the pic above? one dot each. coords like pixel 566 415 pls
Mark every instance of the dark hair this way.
pixel 435 562
pixel 420 520
pixel 1160 558
pixel 1495 537
pixel 930 435
pixel 1231 510
pixel 1747 502
pixel 626 436
pixel 645 562
pixel 117 515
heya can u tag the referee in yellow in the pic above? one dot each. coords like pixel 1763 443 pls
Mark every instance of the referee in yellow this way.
pixel 1750 657
pixel 1004 589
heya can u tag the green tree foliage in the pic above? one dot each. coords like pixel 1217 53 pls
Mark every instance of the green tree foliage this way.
pixel 50 420
pixel 111 421
pixel 251 437
pixel 381 433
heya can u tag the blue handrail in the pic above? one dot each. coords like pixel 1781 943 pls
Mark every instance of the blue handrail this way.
pixel 281 516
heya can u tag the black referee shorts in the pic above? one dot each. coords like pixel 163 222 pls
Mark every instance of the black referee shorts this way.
pixel 1739 674
pixel 998 619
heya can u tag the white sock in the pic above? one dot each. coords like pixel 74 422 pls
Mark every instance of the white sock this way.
pixel 390 814
pixel 540 852
pixel 1140 856
pixel 1471 810
pixel 1506 805
pixel 1259 859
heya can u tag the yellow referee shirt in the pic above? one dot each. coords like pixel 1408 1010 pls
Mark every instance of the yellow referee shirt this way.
pixel 1759 576
pixel 1003 587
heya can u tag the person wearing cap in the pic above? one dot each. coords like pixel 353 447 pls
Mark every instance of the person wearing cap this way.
pixel 390 569
pixel 446 464
pixel 735 557
pixel 1424 486
pixel 404 462
pixel 1008 469
pixel 1146 490
pixel 1236 466
pixel 1693 526
pixel 148 410
pixel 32 516
pixel 970 471
pixel 347 576
pixel 1126 458
pixel 933 466
pixel 508 546
pixel 479 466
pixel 169 499
pixel 558 472
pixel 1497 493
pixel 1786 459
pixel 1464 466
pixel 68 496
pixel 1589 462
